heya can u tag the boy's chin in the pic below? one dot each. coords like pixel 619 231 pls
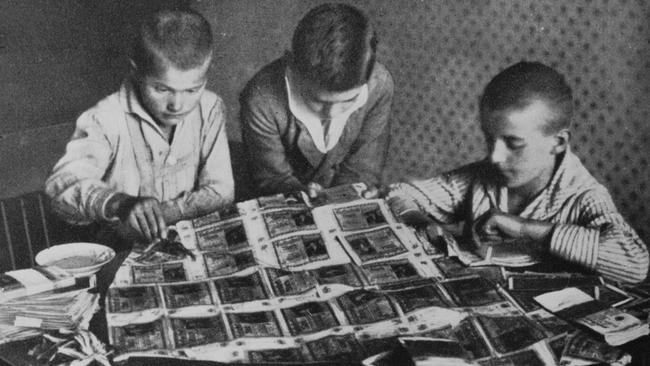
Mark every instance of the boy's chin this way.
pixel 510 181
pixel 169 122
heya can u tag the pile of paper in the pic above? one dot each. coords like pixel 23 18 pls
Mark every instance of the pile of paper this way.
pixel 508 254
pixel 24 282
pixel 615 325
pixel 505 253
pixel 9 333
pixel 50 310
pixel 43 298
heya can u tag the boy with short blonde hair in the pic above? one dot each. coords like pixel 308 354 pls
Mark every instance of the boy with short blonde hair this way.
pixel 156 151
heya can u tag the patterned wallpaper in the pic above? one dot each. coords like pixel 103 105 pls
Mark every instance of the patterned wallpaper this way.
pixel 441 55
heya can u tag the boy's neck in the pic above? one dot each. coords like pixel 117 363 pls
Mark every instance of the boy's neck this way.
pixel 168 132
pixel 520 197
pixel 530 190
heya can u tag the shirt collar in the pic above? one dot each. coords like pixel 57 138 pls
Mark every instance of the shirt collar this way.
pixel 570 175
pixel 569 178
pixel 131 104
pixel 312 121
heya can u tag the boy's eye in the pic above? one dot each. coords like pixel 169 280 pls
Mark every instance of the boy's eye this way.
pixel 160 89
pixel 515 145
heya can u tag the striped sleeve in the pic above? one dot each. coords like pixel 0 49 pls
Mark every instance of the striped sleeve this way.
pixel 440 196
pixel 596 236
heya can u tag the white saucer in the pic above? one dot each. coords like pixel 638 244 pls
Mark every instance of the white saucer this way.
pixel 80 259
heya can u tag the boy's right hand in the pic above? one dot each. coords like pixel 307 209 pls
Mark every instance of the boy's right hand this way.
pixel 314 189
pixel 408 211
pixel 142 214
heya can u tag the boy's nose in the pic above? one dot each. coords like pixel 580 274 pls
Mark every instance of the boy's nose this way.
pixel 175 103
pixel 498 152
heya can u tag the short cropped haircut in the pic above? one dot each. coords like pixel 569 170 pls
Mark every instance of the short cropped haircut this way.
pixel 180 37
pixel 522 83
pixel 334 46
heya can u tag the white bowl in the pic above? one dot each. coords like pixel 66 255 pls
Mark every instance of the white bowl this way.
pixel 80 259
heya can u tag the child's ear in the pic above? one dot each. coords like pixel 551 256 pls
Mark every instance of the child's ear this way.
pixel 561 141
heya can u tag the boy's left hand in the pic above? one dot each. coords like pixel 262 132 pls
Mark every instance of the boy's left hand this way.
pixel 495 226
pixel 374 191
pixel 314 189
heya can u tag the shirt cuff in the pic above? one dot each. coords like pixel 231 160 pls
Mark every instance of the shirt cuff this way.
pixel 173 211
pixel 100 199
pixel 576 244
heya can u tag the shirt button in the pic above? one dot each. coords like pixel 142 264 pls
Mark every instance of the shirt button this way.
pixel 171 160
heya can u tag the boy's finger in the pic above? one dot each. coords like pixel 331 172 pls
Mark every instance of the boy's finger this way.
pixel 314 189
pixel 313 193
pixel 160 221
pixel 372 192
pixel 132 221
pixel 144 226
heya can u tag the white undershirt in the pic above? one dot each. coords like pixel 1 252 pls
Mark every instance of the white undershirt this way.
pixel 312 121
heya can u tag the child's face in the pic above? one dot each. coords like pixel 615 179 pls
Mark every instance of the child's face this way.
pixel 172 94
pixel 327 104
pixel 518 147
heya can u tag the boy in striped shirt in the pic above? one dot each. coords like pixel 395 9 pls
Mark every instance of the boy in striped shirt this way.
pixel 531 186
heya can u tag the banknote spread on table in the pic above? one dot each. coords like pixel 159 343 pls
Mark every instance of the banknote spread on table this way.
pixel 283 278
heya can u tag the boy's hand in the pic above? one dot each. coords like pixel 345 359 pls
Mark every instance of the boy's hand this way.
pixel 314 189
pixel 495 226
pixel 370 193
pixel 407 211
pixel 143 214
pixel 146 217
pixel 375 191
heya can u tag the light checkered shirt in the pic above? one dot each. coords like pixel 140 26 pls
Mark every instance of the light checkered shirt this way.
pixel 588 230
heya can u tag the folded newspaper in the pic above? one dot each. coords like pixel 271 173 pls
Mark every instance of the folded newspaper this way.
pixel 615 325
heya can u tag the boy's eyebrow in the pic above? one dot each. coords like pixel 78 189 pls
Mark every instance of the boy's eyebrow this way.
pixel 341 101
pixel 196 86
pixel 160 84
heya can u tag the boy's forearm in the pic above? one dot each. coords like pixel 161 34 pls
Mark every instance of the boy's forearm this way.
pixel 538 232
pixel 612 250
pixel 79 201
pixel 202 201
